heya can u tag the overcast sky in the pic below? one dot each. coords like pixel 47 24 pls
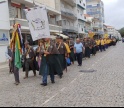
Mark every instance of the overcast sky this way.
pixel 114 13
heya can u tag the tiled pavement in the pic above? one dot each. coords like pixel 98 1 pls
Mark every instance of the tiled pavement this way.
pixel 105 87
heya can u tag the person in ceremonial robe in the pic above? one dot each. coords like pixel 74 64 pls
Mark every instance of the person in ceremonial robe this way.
pixel 93 47
pixel 29 59
pixel 105 41
pixel 87 48
pixel 52 61
pixel 62 52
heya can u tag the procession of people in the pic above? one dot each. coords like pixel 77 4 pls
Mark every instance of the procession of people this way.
pixel 52 57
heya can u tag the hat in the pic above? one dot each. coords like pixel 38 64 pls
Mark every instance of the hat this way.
pixel 26 42
pixel 59 37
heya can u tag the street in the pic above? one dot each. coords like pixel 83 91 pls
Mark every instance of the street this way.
pixel 103 87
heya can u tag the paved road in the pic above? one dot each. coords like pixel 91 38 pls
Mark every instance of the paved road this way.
pixel 102 88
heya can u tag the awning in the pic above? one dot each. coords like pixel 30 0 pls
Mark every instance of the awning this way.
pixel 53 37
pixel 64 36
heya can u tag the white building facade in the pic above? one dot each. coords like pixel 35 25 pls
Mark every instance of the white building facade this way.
pixel 81 18
pixel 95 8
pixel 4 29
pixel 68 17
pixel 113 32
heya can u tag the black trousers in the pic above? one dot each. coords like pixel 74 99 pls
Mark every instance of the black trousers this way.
pixel 87 52
pixel 16 74
pixel 79 57
pixel 29 64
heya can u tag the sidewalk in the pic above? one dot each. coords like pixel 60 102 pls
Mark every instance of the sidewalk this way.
pixel 4 65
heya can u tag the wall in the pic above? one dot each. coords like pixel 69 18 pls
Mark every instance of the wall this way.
pixel 50 3
pixel 2 53
pixel 4 29
pixel 4 16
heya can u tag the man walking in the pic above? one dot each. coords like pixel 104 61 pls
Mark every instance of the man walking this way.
pixel 78 49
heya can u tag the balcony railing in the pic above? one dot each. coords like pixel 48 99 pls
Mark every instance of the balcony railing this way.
pixel 24 23
pixel 68 13
pixel 55 28
pixel 96 25
pixel 81 17
pixel 71 2
pixel 73 28
pixel 81 4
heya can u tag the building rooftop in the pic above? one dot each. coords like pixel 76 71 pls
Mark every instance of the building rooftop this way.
pixel 86 15
pixel 109 26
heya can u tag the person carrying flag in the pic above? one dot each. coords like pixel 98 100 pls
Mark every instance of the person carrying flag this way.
pixel 16 46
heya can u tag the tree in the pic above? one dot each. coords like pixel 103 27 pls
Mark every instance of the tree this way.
pixel 122 31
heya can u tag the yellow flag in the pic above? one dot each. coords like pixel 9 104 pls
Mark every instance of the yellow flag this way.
pixel 67 48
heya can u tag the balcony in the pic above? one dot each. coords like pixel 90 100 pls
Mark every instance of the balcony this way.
pixel 55 28
pixel 81 30
pixel 30 4
pixel 68 13
pixel 26 2
pixel 70 28
pixel 95 25
pixel 25 26
pixel 81 4
pixel 100 26
pixel 81 17
pixel 88 29
pixel 71 2
pixel 23 22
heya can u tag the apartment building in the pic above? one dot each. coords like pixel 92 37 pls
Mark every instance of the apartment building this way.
pixel 95 8
pixel 4 29
pixel 68 17
pixel 81 18
pixel 88 24
pixel 111 30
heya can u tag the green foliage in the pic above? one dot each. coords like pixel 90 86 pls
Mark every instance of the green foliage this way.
pixel 122 31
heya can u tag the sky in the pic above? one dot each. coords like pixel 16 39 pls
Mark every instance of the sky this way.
pixel 114 13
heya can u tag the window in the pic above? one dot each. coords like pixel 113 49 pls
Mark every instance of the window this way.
pixel 80 1
pixel 17 10
pixel 78 11
pixel 64 22
pixel 79 25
